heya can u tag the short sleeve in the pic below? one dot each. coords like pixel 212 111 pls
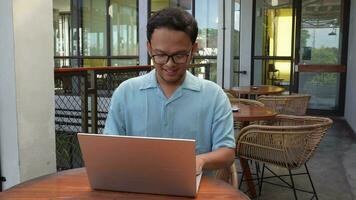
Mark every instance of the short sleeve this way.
pixel 223 129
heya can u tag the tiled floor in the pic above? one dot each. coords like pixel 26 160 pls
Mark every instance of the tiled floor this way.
pixel 333 168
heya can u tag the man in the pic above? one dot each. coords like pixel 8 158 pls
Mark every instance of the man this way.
pixel 169 101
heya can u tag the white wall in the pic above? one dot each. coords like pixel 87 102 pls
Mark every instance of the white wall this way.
pixel 220 44
pixel 27 90
pixel 224 43
pixel 229 43
pixel 350 104
pixel 8 114
pixel 245 41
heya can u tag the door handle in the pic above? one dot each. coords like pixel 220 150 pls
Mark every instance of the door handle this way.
pixel 240 72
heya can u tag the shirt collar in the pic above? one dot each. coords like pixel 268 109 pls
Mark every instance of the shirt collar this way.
pixel 150 81
pixel 190 82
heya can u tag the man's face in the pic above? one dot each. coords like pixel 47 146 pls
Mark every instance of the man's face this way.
pixel 177 44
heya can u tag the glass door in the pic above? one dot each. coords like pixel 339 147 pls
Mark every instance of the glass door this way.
pixel 321 57
pixel 273 43
pixel 301 45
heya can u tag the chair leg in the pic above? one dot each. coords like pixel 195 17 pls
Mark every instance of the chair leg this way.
pixel 257 168
pixel 249 180
pixel 261 181
pixel 311 182
pixel 241 179
pixel 293 186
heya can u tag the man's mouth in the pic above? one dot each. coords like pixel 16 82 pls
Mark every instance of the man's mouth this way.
pixel 171 72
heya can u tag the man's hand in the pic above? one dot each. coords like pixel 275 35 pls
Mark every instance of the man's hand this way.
pixel 199 163
pixel 217 159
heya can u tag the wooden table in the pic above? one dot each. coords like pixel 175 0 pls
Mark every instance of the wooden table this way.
pixel 256 90
pixel 246 114
pixel 73 184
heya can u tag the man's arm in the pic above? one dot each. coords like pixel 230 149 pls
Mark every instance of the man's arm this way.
pixel 223 141
pixel 115 121
pixel 220 158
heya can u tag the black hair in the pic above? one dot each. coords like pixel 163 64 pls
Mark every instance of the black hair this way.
pixel 174 19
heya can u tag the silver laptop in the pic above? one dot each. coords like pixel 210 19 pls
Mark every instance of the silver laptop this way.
pixel 140 164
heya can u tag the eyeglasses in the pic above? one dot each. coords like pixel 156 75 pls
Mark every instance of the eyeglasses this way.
pixel 162 59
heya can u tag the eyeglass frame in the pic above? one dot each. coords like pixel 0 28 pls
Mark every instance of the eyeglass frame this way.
pixel 172 56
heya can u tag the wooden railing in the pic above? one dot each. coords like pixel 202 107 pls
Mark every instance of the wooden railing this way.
pixel 321 68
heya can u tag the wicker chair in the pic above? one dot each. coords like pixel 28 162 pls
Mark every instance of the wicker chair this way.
pixel 228 175
pixel 229 95
pixel 295 104
pixel 246 101
pixel 288 142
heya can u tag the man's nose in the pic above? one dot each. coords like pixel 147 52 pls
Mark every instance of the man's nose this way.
pixel 170 62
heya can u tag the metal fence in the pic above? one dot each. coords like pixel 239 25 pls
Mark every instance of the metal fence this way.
pixel 82 100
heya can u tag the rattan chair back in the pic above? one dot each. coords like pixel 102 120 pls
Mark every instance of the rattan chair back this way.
pixel 295 104
pixel 228 94
pixel 288 141
pixel 245 101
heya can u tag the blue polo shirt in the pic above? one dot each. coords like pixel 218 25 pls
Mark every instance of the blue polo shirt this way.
pixel 198 109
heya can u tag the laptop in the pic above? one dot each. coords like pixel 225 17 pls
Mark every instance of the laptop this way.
pixel 140 164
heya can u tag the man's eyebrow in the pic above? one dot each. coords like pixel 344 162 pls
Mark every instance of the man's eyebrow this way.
pixel 163 52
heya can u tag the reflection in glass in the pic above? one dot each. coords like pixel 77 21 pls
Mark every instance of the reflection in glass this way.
pixel 124 62
pixel 213 67
pixel 235 77
pixel 160 4
pixel 273 28
pixel 206 14
pixel 324 88
pixel 62 26
pixel 258 70
pixel 124 24
pixel 94 27
pixel 236 43
pixel 64 63
pixel 236 33
pixel 320 33
pixel 272 72
pixel 95 62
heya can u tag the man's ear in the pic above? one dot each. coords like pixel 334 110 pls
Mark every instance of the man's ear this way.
pixel 194 48
pixel 149 48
